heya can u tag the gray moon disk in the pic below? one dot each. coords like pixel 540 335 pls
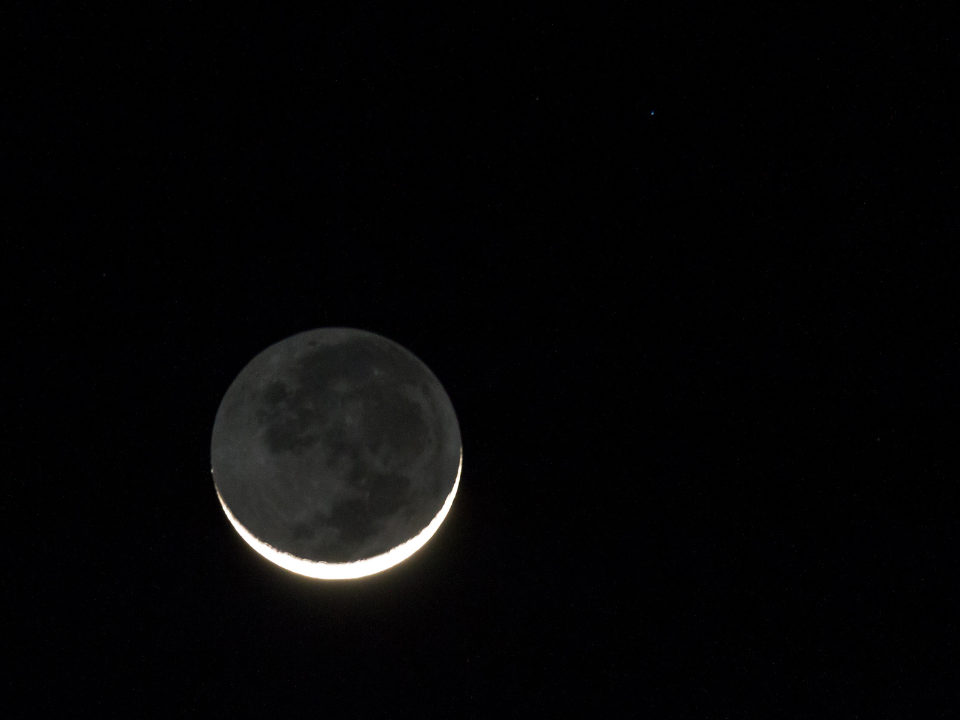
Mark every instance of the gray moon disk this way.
pixel 336 453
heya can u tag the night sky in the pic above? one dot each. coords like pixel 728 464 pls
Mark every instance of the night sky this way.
pixel 688 276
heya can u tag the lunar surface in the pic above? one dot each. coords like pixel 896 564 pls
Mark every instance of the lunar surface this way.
pixel 336 453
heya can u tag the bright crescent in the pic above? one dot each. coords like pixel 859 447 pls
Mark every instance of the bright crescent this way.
pixel 350 570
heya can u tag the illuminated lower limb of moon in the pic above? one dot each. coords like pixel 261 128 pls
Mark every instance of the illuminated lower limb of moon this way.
pixel 346 571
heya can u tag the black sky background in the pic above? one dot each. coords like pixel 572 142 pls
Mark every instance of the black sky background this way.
pixel 687 274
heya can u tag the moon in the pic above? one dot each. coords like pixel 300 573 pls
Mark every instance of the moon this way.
pixel 336 453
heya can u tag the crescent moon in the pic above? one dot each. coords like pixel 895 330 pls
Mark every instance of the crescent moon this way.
pixel 336 454
pixel 346 571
